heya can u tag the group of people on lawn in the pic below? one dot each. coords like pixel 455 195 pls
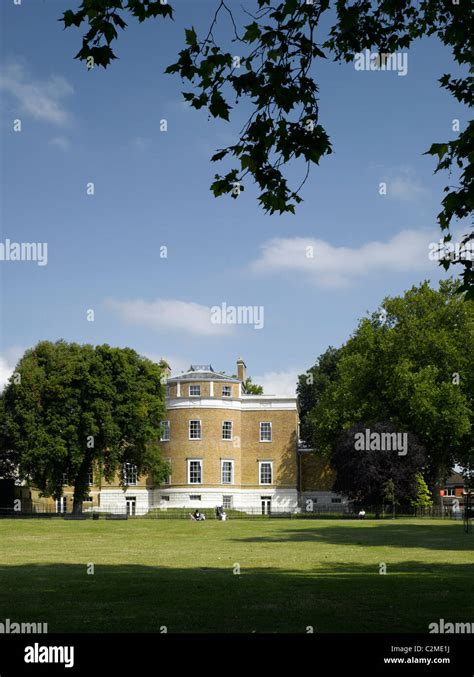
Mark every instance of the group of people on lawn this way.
pixel 198 516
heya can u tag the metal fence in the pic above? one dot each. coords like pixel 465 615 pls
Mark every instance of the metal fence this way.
pixel 344 512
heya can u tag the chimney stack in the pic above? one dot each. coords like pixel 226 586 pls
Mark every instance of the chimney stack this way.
pixel 241 370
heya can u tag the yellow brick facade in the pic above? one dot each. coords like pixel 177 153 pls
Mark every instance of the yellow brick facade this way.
pixel 222 401
pixel 244 448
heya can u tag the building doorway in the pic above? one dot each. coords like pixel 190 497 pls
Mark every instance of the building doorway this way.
pixel 266 503
pixel 131 505
pixel 61 504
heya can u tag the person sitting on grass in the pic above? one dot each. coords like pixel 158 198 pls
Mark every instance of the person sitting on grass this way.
pixel 198 516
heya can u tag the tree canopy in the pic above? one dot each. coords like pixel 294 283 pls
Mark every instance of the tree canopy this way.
pixel 69 409
pixel 312 385
pixel 251 388
pixel 373 476
pixel 275 70
pixel 408 364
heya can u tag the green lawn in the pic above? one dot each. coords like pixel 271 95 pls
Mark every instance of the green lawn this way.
pixel 180 574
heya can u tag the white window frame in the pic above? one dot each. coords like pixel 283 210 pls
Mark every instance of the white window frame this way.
pixel 61 505
pixel 227 439
pixel 167 481
pixel 194 460
pixel 195 385
pixel 134 472
pixel 449 492
pixel 195 420
pixel 229 394
pixel 229 500
pixel 271 431
pixel 260 464
pixel 231 461
pixel 165 429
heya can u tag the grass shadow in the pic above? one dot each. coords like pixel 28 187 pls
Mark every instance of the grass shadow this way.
pixel 433 536
pixel 332 597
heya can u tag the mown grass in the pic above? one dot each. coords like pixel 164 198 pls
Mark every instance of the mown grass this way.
pixel 181 574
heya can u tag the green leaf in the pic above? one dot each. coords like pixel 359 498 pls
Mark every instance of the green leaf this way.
pixel 439 149
pixel 119 21
pixel 219 155
pixel 191 37
pixel 252 32
pixel 247 162
pixel 72 19
pixel 218 107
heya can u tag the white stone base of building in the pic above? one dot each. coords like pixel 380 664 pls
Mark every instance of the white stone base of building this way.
pixel 314 501
pixel 247 500
pixel 139 500
pixel 135 501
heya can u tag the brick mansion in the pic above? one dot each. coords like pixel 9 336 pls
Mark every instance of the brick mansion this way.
pixel 224 447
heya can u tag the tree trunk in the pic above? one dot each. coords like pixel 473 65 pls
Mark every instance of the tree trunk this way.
pixel 437 486
pixel 77 505
pixel 81 485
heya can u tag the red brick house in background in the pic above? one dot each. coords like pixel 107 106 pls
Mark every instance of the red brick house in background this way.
pixel 453 499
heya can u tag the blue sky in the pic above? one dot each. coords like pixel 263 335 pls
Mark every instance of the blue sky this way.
pixel 152 191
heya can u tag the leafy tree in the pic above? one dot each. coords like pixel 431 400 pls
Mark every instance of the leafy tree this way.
pixel 409 364
pixel 312 385
pixel 468 474
pixel 252 388
pixel 280 48
pixel 9 458
pixel 78 408
pixel 422 499
pixel 390 493
pixel 365 475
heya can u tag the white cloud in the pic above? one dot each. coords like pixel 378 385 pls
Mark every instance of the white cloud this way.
pixel 42 99
pixel 170 314
pixel 333 267
pixel 8 361
pixel 278 382
pixel 405 186
pixel 6 371
pixel 60 142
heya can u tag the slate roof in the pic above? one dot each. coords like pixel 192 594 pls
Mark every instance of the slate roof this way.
pixel 202 372
pixel 456 479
